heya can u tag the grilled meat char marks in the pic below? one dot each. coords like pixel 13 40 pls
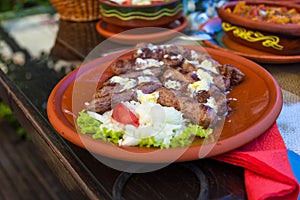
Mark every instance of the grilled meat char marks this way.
pixel 122 66
pixel 102 99
pixel 231 73
pixel 149 87
pixel 171 70
pixel 197 113
pixel 168 98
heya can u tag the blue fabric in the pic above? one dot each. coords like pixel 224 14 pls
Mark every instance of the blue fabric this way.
pixel 295 164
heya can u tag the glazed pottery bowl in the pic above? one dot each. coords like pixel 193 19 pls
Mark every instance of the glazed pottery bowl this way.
pixel 134 16
pixel 282 38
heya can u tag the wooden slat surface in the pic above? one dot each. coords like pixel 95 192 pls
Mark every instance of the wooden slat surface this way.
pixel 24 174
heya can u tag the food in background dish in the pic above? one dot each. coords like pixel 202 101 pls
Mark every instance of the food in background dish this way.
pixel 138 2
pixel 267 13
pixel 160 96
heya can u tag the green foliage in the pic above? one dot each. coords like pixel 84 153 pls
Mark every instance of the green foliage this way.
pixel 16 5
pixel 7 115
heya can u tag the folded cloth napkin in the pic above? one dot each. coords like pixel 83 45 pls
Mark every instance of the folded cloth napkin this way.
pixel 268 174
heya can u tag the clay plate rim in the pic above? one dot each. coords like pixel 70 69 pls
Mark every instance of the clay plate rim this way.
pixel 124 38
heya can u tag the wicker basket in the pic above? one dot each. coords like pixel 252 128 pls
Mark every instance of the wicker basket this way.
pixel 75 40
pixel 77 10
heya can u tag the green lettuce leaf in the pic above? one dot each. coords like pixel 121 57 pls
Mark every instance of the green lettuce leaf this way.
pixel 185 138
pixel 109 135
pixel 87 124
pixel 150 142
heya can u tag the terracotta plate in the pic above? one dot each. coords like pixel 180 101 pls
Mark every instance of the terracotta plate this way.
pixel 125 35
pixel 258 104
pixel 221 41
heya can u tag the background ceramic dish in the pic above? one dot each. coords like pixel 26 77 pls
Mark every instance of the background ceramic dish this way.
pixel 258 105
pixel 280 39
pixel 123 35
pixel 140 15
pixel 222 42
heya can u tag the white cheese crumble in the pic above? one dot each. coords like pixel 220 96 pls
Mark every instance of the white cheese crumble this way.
pixel 152 47
pixel 205 76
pixel 179 57
pixel 144 79
pixel 203 84
pixel 208 65
pixel 127 83
pixel 193 62
pixel 139 51
pixel 147 63
pixel 170 84
pixel 211 102
pixel 142 97
pixel 194 55
pixel 197 86
pixel 148 72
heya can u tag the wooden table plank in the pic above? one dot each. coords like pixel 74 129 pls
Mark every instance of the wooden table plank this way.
pixel 23 172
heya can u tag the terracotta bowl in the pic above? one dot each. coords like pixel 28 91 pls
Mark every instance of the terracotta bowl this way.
pixel 134 16
pixel 281 39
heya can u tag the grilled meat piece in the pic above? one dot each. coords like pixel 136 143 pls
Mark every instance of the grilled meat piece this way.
pixel 180 80
pixel 220 99
pixel 202 96
pixel 148 87
pixel 234 75
pixel 172 62
pixel 188 66
pixel 153 71
pixel 198 113
pixel 121 66
pixel 100 104
pixel 222 83
pixel 101 99
pixel 148 53
pixel 127 95
pixel 168 98
pixel 105 90
pixel 175 50
pixel 159 52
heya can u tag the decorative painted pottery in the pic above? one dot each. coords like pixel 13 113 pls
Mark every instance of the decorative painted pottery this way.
pixel 134 16
pixel 277 38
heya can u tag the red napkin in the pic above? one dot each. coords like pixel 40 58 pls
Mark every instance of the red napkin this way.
pixel 268 174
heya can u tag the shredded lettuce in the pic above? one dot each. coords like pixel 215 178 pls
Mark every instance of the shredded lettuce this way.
pixel 90 125
pixel 196 130
pixel 87 124
pixel 187 135
pixel 106 134
pixel 149 142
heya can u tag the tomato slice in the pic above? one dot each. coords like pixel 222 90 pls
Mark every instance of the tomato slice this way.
pixel 127 2
pixel 124 115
